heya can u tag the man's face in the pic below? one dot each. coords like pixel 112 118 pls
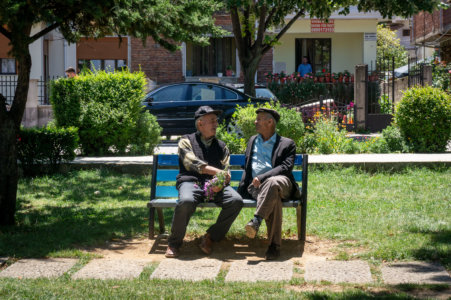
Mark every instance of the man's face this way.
pixel 70 74
pixel 304 60
pixel 262 123
pixel 207 125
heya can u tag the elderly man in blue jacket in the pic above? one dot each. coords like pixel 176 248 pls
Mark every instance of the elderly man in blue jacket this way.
pixel 268 178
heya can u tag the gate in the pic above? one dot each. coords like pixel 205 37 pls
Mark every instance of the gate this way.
pixel 385 85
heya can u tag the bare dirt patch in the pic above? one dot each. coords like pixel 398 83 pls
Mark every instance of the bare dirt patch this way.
pixel 226 250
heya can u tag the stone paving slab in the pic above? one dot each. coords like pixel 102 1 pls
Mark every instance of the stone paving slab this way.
pixel 35 268
pixel 355 271
pixel 252 271
pixel 111 269
pixel 415 272
pixel 192 270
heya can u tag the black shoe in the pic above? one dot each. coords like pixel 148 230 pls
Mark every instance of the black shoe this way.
pixel 273 252
pixel 252 228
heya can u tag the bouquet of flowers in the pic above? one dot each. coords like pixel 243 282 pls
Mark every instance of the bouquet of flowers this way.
pixel 214 185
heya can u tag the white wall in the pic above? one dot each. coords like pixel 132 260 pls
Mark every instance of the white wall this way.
pixel 37 54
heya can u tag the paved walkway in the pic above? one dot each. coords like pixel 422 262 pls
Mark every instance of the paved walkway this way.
pixel 314 269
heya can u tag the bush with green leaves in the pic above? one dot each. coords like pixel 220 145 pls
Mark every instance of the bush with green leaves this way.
pixel 46 147
pixel 290 125
pixel 326 137
pixel 424 118
pixel 107 109
pixel 394 139
pixel 146 136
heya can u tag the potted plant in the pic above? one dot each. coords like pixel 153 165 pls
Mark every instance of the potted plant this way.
pixel 229 71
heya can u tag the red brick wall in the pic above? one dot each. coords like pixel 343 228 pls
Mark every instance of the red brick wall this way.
pixel 425 24
pixel 265 66
pixel 156 62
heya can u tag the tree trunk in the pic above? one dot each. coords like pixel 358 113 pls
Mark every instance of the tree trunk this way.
pixel 249 70
pixel 8 171
pixel 9 129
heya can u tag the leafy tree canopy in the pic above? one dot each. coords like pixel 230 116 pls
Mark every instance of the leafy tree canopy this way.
pixel 389 46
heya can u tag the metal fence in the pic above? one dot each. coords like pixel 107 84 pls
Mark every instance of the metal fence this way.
pixel 8 84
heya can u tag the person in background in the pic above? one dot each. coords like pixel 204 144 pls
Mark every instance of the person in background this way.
pixel 70 72
pixel 305 67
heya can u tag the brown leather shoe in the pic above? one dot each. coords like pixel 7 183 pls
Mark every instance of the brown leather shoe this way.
pixel 172 252
pixel 205 244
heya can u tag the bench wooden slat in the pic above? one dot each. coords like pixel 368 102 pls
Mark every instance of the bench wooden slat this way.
pixel 166 192
pixel 168 160
pixel 167 175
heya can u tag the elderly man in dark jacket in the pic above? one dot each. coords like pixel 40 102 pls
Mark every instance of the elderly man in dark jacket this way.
pixel 202 156
pixel 268 178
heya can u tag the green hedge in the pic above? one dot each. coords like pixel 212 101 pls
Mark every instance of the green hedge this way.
pixel 43 149
pixel 424 118
pixel 107 109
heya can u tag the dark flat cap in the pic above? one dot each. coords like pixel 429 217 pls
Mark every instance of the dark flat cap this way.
pixel 204 110
pixel 274 113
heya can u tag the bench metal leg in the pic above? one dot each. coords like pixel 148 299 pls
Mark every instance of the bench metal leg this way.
pixel 151 222
pixel 301 214
pixel 160 219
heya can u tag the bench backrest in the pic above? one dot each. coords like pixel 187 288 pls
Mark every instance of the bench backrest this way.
pixel 166 168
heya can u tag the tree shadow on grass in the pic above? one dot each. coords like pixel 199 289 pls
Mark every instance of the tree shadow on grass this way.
pixel 69 228
pixel 438 248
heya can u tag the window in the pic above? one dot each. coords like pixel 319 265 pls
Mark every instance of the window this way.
pixel 210 92
pixel 171 93
pixel 318 52
pixel 8 66
pixel 102 64
pixel 406 32
pixel 211 60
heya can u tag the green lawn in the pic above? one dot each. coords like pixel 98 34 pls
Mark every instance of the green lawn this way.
pixel 404 215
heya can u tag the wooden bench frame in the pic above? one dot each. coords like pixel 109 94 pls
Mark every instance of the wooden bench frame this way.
pixel 166 167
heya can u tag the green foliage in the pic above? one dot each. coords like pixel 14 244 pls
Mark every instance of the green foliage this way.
pixel 290 125
pixel 394 139
pixel 424 118
pixel 43 149
pixel 326 137
pixel 389 46
pixel 441 76
pixel 146 136
pixel 385 104
pixel 108 111
pixel 236 144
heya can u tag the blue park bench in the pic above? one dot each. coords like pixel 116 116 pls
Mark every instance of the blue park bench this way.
pixel 166 167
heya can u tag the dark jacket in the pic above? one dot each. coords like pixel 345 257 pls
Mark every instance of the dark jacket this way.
pixel 282 160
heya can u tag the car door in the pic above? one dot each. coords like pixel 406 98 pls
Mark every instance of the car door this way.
pixel 168 104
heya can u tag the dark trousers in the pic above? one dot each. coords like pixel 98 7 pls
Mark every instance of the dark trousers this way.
pixel 190 195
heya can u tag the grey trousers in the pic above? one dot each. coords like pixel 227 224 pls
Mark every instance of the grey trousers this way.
pixel 189 197
pixel 269 204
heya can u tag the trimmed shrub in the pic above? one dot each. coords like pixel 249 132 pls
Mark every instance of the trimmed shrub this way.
pixel 424 118
pixel 46 147
pixel 107 108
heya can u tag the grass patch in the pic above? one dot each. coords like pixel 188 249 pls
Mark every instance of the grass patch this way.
pixel 402 215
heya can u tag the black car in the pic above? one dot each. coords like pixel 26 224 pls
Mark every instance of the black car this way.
pixel 174 104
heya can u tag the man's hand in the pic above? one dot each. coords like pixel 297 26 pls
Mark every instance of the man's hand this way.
pixel 256 182
pixel 228 177
pixel 216 189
